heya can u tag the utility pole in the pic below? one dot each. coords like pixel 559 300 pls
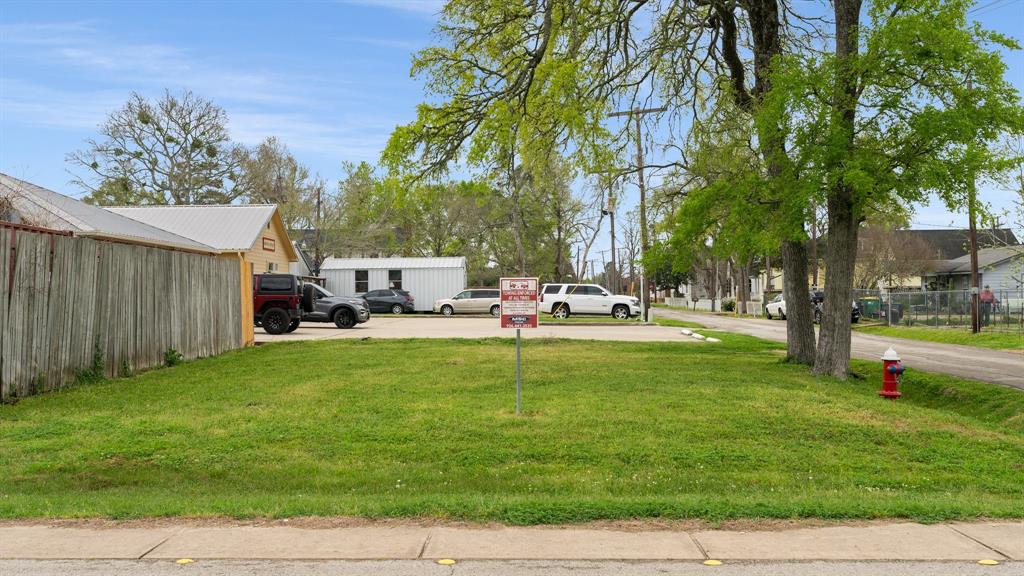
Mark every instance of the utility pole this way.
pixel 636 114
pixel 610 212
pixel 318 253
pixel 972 197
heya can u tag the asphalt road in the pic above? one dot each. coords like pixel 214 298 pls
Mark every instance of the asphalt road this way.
pixel 493 568
pixel 998 367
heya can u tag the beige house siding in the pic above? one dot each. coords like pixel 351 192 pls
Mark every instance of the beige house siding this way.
pixel 272 246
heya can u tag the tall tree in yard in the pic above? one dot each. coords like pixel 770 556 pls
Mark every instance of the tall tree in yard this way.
pixel 896 111
pixel 174 150
pixel 270 174
pixel 518 80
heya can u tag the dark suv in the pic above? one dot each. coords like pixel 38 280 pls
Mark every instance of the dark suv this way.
pixel 282 301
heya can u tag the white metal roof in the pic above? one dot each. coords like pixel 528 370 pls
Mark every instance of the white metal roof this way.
pixel 392 263
pixel 228 227
pixel 49 209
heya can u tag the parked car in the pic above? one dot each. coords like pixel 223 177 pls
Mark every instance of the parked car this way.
pixel 394 301
pixel 777 307
pixel 561 300
pixel 282 301
pixel 319 305
pixel 277 302
pixel 818 301
pixel 472 301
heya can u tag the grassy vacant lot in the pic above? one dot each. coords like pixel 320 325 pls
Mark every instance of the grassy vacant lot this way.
pixel 961 335
pixel 426 428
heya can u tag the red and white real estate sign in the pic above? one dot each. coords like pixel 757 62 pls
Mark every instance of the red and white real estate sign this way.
pixel 518 302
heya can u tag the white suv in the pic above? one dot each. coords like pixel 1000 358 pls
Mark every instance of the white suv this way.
pixel 561 300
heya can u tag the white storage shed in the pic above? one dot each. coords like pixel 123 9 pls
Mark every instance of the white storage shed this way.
pixel 427 279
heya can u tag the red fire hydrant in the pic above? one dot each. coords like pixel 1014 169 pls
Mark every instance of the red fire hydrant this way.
pixel 892 373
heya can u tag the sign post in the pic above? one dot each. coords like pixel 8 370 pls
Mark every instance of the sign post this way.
pixel 518 310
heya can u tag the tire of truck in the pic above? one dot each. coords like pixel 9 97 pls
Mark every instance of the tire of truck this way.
pixel 293 326
pixel 343 318
pixel 275 321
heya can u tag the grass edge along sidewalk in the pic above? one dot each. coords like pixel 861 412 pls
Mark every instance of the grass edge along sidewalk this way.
pixel 961 336
pixel 425 428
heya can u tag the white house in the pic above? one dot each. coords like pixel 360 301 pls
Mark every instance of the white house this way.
pixel 1002 268
pixel 426 279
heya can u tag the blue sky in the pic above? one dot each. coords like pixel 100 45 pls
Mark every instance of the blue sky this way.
pixel 330 79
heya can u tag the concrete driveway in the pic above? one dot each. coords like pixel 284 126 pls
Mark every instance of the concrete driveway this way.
pixel 998 367
pixel 425 326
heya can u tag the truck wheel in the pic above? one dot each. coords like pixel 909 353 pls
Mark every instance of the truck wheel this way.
pixel 343 318
pixel 293 326
pixel 620 312
pixel 275 321
pixel 560 310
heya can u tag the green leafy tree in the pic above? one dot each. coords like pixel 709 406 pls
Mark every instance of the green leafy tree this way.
pixel 906 105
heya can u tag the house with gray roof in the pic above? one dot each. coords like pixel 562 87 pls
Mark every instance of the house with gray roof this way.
pixel 22 202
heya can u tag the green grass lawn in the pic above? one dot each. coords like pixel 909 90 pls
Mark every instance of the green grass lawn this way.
pixel 672 322
pixel 997 340
pixel 392 428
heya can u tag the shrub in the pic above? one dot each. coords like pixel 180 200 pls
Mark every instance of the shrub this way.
pixel 728 305
pixel 172 357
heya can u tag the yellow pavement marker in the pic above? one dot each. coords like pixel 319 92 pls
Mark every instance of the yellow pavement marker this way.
pixel 712 562
pixel 446 561
pixel 987 562
pixel 184 561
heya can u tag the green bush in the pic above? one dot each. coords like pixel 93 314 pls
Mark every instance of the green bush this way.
pixel 728 305
pixel 172 357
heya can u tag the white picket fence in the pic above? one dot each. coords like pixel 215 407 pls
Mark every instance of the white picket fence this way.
pixel 68 305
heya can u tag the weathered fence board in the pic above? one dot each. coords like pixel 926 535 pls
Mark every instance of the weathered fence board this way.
pixel 65 301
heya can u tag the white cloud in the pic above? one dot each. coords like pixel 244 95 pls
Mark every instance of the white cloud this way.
pixel 85 53
pixel 384 42
pixel 427 7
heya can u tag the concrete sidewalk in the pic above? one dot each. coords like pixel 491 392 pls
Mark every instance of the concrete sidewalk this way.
pixel 1000 541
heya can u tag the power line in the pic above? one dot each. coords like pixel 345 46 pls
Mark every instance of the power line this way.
pixel 989 7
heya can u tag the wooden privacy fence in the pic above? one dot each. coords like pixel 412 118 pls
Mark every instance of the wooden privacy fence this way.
pixel 70 305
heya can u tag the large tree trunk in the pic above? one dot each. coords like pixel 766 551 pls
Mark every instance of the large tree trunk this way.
pixel 799 316
pixel 833 356
pixel 834 343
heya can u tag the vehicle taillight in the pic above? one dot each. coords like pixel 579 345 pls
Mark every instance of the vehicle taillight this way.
pixel 542 296
pixel 408 297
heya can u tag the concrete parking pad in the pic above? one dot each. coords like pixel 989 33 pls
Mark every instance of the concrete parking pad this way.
pixel 472 327
pixel 45 542
pixel 543 544
pixel 876 542
pixel 1006 537
pixel 294 543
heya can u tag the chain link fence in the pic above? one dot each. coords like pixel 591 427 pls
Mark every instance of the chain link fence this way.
pixel 942 309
